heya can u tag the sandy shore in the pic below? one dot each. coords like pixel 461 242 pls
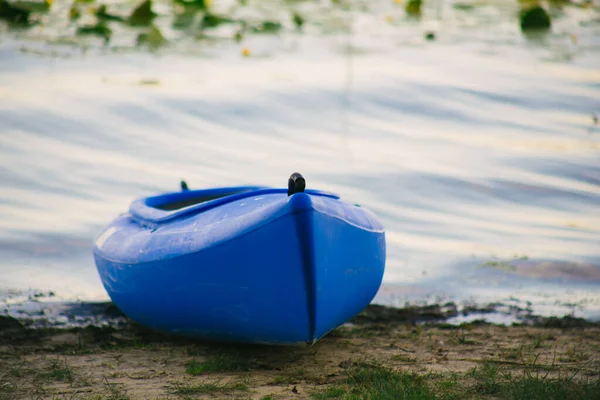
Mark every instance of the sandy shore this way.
pixel 131 362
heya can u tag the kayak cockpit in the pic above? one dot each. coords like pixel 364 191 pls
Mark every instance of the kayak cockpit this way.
pixel 172 203
pixel 168 207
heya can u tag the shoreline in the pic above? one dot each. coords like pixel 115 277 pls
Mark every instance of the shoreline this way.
pixel 378 350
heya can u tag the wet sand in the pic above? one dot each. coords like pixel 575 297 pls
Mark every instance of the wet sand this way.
pixel 127 361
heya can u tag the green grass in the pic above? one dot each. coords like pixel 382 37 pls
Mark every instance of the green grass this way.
pixel 185 389
pixel 368 381
pixel 220 362
pixel 331 393
pixel 56 370
pixel 493 381
pixel 374 382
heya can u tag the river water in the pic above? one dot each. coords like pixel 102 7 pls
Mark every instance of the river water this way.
pixel 477 150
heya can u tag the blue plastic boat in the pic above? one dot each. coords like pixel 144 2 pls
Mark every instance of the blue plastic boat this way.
pixel 248 264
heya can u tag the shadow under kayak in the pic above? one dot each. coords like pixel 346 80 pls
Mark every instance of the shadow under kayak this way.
pixel 248 264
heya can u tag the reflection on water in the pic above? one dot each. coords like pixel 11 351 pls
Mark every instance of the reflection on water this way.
pixel 477 150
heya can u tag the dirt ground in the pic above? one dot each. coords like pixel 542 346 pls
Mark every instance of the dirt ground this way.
pixel 131 362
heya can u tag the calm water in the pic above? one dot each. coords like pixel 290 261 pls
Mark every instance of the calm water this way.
pixel 478 150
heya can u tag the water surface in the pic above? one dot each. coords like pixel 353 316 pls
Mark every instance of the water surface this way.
pixel 477 150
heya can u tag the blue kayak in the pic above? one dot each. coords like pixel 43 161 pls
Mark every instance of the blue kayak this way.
pixel 250 264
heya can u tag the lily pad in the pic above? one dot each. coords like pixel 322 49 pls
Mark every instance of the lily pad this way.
pixel 212 20
pixel 74 12
pixel 413 8
pixel 298 20
pixel 535 18
pixel 463 6
pixel 267 27
pixel 153 38
pixel 185 19
pixel 142 14
pixel 199 4
pixel 99 29
pixel 33 6
pixel 13 14
pixel 103 14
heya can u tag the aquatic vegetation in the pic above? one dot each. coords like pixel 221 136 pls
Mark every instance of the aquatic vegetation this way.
pixel 14 14
pixel 267 27
pixel 197 4
pixel 142 14
pixel 297 19
pixel 153 38
pixel 413 7
pixel 98 29
pixel 190 20
pixel 212 21
pixel 103 14
pixel 534 18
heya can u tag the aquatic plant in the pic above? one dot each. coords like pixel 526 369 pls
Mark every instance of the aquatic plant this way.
pixel 153 38
pixel 98 29
pixel 14 14
pixel 142 14
pixel 413 7
pixel 534 18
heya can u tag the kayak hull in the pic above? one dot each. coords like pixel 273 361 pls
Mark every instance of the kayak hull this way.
pixel 266 268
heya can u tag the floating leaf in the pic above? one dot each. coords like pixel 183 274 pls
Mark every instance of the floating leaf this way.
pixel 33 6
pixel 267 27
pixel 199 4
pixel 212 21
pixel 185 19
pixel 413 8
pixel 103 14
pixel 430 36
pixel 96 30
pixel 298 20
pixel 13 14
pixel 463 6
pixel 142 14
pixel 154 38
pixel 535 18
pixel 238 36
pixel 74 12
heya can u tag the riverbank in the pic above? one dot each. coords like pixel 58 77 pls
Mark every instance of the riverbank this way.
pixel 382 353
